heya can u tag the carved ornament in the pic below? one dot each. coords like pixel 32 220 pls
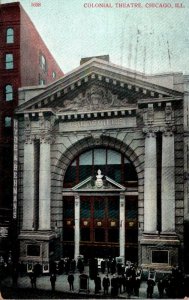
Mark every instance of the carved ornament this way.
pixel 95 98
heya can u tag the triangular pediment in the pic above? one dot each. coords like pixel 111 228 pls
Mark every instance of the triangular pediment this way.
pixel 95 86
pixel 92 184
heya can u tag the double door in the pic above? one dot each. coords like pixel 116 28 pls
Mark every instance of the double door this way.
pixel 99 226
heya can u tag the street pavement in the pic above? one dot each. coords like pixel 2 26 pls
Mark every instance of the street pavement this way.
pixel 62 285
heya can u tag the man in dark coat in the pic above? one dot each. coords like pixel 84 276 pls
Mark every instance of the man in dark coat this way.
pixel 160 288
pixel 80 266
pixel 71 281
pixel 113 266
pixel 114 286
pixel 33 280
pixel 106 284
pixel 150 287
pixel 53 280
pixel 97 284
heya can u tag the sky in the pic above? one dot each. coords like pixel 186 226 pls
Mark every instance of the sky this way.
pixel 150 40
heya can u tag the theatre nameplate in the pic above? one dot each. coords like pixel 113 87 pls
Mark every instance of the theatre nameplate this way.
pixel 98 124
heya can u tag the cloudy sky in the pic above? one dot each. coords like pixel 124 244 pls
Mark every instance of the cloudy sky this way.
pixel 150 40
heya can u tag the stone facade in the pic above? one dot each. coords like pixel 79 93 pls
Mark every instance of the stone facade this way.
pixel 103 105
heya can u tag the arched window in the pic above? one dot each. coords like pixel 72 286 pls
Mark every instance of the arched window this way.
pixel 10 36
pixel 43 62
pixel 9 64
pixel 111 163
pixel 8 92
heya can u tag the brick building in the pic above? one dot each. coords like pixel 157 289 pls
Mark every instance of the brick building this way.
pixel 24 61
pixel 104 154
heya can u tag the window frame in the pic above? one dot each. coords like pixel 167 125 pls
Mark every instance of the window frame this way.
pixel 118 168
pixel 9 61
pixel 43 62
pixel 8 93
pixel 10 35
pixel 8 126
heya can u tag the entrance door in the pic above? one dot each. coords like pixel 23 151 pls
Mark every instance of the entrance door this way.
pixel 99 228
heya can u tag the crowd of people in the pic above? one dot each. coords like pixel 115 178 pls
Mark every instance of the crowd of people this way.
pixel 118 279
pixel 110 277
pixel 174 286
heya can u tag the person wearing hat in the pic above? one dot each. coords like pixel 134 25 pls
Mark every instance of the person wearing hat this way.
pixel 106 284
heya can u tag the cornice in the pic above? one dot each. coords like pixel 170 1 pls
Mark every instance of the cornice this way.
pixel 100 71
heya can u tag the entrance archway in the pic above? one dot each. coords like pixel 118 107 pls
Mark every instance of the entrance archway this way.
pixel 100 221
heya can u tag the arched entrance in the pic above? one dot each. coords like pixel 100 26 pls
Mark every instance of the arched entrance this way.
pixel 104 224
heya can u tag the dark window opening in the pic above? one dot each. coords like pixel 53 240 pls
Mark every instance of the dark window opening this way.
pixel 85 234
pixel 113 235
pixel 68 234
pixel 68 207
pixel 99 235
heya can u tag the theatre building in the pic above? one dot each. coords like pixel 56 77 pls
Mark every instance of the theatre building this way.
pixel 101 167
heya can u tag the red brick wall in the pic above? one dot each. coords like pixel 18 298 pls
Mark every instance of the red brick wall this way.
pixel 26 49
pixel 32 46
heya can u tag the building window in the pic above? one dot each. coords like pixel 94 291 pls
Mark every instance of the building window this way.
pixel 7 122
pixel 53 75
pixel 111 163
pixel 8 92
pixel 41 80
pixel 43 63
pixel 9 61
pixel 10 36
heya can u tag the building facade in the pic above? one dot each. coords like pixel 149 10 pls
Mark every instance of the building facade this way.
pixel 24 61
pixel 101 167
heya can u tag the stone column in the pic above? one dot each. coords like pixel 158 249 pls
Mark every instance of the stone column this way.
pixel 45 185
pixel 77 226
pixel 150 183
pixel 122 226
pixel 28 186
pixel 168 183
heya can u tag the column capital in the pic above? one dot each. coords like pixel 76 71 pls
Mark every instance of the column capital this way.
pixel 168 130
pixel 28 138
pixel 77 198
pixel 122 197
pixel 150 131
pixel 27 122
pixel 46 138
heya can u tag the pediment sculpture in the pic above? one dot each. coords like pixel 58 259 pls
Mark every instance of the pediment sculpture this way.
pixel 95 98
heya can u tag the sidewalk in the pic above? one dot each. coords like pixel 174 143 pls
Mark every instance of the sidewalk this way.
pixel 43 283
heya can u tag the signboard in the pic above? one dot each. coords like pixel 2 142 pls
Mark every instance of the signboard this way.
pixel 46 268
pixel 98 124
pixel 15 169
